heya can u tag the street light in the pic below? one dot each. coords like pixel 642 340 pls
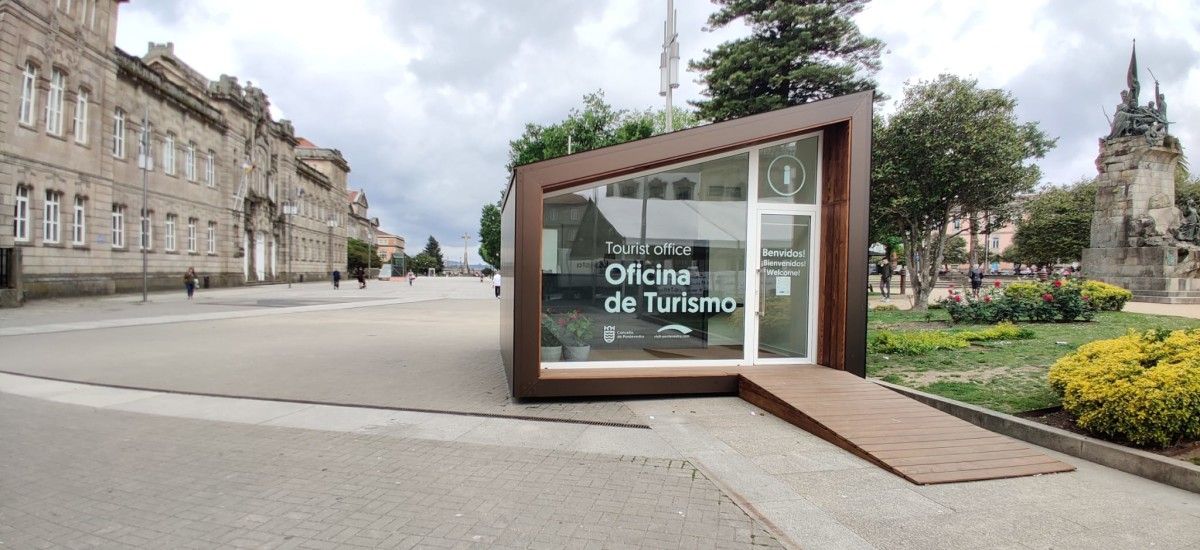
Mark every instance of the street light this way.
pixel 331 221
pixel 291 208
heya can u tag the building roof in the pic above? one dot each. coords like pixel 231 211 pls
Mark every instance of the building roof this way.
pixel 305 144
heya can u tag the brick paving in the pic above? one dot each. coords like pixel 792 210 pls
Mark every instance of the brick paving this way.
pixel 79 477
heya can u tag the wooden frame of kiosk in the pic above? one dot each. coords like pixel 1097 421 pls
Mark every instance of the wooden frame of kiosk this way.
pixel 673 264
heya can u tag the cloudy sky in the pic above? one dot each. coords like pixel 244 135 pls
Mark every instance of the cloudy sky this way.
pixel 422 97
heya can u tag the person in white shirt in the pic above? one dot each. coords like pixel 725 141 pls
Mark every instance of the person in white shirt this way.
pixel 496 284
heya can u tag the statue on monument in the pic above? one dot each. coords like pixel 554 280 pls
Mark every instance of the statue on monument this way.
pixel 1189 227
pixel 1132 119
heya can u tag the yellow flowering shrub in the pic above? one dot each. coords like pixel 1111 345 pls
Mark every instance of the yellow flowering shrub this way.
pixel 1143 388
pixel 1106 297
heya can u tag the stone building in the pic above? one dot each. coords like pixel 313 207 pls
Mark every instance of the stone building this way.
pixel 388 246
pixel 82 123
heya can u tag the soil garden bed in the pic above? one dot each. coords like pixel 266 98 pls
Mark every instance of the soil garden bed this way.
pixel 1188 451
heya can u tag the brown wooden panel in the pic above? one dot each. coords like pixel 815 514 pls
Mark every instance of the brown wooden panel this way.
pixel 909 439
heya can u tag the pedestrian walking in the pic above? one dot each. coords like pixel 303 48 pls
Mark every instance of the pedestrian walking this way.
pixel 976 277
pixel 337 278
pixel 496 284
pixel 189 281
pixel 362 278
pixel 885 279
pixel 411 276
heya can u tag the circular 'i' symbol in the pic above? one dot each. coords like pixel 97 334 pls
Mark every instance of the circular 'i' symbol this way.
pixel 786 175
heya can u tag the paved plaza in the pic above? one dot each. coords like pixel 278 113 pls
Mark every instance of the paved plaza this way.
pixel 380 418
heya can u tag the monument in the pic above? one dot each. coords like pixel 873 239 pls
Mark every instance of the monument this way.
pixel 1139 239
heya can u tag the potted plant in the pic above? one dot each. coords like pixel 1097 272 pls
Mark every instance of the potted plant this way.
pixel 577 333
pixel 551 344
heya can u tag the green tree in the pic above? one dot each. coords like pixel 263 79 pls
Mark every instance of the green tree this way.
pixel 422 263
pixel 489 234
pixel 596 125
pixel 950 147
pixel 434 251
pixel 798 51
pixel 1056 225
pixel 358 255
pixel 956 251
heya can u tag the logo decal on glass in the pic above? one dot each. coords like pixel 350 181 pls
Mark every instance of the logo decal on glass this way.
pixel 610 334
pixel 786 175
pixel 679 328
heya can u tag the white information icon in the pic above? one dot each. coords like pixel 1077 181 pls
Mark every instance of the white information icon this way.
pixel 789 186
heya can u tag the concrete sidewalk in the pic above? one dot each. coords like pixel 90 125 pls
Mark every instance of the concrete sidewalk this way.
pixel 128 309
pixel 220 470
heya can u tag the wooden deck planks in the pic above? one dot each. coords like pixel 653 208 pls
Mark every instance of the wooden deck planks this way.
pixel 911 439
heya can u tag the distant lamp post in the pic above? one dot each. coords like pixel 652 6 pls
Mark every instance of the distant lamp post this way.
pixel 331 221
pixel 291 208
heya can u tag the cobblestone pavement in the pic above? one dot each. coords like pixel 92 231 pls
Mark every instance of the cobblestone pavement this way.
pixel 78 477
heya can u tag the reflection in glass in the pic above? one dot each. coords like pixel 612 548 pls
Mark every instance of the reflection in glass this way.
pixel 785 256
pixel 656 264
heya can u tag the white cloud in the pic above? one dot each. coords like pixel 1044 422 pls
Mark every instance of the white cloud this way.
pixel 423 97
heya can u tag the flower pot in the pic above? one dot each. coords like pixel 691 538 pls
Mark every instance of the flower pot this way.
pixel 576 353
pixel 551 354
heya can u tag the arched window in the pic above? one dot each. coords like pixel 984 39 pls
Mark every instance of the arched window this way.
pixel 28 93
pixel 50 217
pixel 79 222
pixel 54 102
pixel 81 116
pixel 118 144
pixel 21 214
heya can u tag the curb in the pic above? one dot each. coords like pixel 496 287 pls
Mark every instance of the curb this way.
pixel 1175 473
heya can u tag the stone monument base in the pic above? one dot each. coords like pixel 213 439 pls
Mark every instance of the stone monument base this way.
pixel 1152 273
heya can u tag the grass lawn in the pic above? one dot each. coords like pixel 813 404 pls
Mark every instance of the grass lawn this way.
pixel 1004 376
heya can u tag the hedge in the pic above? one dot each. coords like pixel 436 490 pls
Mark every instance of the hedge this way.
pixel 1142 388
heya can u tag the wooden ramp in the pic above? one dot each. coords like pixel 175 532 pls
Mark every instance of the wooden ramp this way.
pixel 911 439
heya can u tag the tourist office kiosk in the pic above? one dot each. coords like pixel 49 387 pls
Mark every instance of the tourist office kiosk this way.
pixel 728 258
pixel 672 264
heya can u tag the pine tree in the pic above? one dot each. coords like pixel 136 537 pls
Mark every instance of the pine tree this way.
pixel 434 250
pixel 798 51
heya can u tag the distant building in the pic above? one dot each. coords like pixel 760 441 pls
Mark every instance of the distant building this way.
pixel 223 175
pixel 388 246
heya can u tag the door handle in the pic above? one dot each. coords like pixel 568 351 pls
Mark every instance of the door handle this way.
pixel 762 294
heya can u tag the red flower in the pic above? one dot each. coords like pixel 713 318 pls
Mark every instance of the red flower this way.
pixel 1047 297
pixel 987 298
pixel 957 298
pixel 996 284
pixel 1086 297
pixel 1058 283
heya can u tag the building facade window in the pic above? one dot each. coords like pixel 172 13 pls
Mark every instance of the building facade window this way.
pixel 212 238
pixel 21 214
pixel 81 116
pixel 995 243
pixel 28 93
pixel 957 223
pixel 189 162
pixel 50 218
pixel 118 148
pixel 54 102
pixel 168 154
pixel 79 222
pixel 210 177
pixel 191 235
pixel 169 233
pixel 118 226
pixel 144 145
pixel 146 231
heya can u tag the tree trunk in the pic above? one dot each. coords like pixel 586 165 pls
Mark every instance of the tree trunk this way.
pixel 973 256
pixel 931 248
